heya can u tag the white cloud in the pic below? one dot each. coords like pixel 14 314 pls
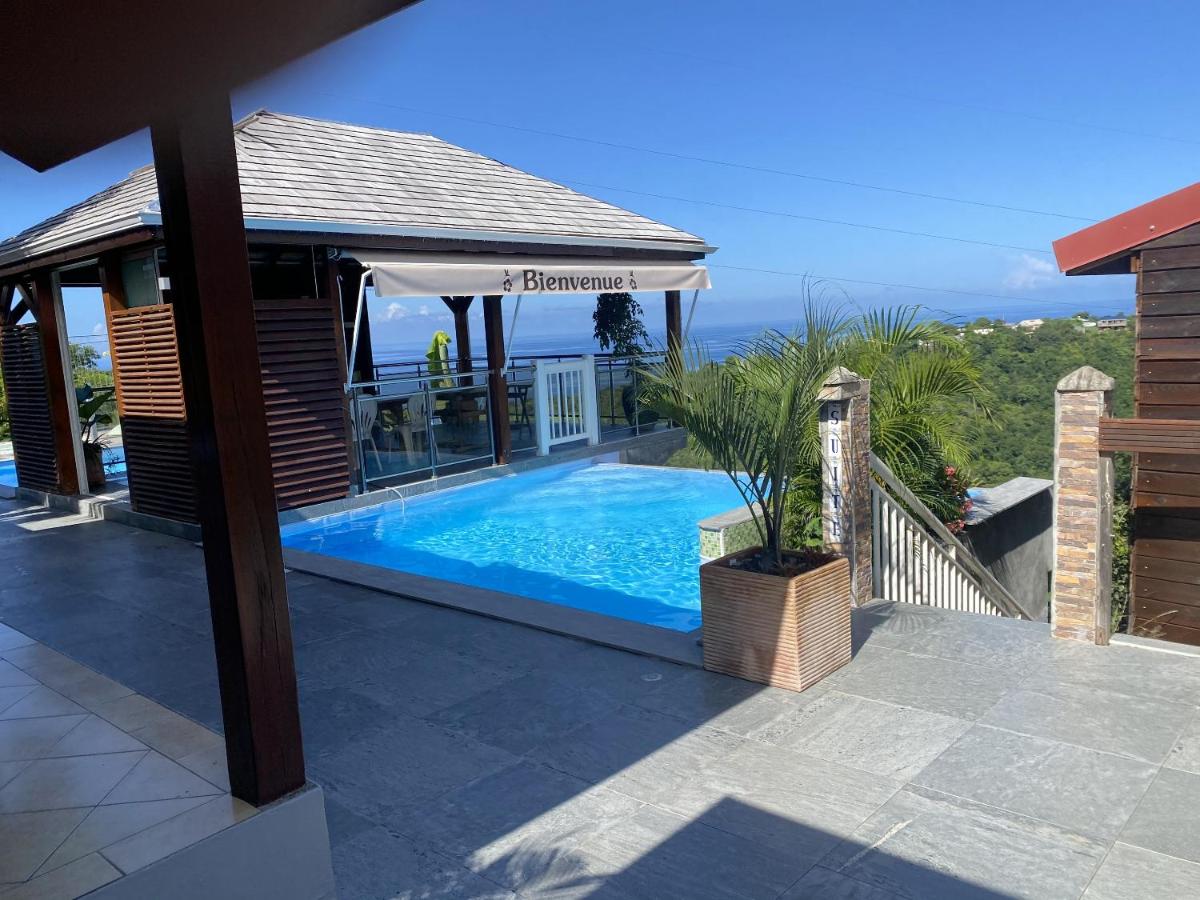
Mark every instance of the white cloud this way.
pixel 396 311
pixel 99 328
pixel 423 310
pixel 1031 272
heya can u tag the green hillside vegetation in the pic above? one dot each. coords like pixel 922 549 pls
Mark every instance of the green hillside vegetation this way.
pixel 1021 369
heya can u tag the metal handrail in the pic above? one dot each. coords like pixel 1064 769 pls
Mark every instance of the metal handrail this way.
pixel 960 554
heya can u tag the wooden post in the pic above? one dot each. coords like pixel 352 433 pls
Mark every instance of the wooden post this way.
pixel 60 387
pixel 674 322
pixel 460 306
pixel 210 286
pixel 493 331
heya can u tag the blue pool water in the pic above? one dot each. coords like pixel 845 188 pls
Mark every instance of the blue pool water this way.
pixel 114 465
pixel 614 539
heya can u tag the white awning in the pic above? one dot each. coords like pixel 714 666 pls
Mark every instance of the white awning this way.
pixel 400 274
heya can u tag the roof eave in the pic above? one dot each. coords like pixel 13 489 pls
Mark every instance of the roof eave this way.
pixel 458 234
pixel 14 265
pixel 1105 247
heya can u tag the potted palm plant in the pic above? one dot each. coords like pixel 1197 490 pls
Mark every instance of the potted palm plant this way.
pixel 773 614
pixel 91 402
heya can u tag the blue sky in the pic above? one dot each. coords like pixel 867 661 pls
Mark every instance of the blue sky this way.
pixel 1044 106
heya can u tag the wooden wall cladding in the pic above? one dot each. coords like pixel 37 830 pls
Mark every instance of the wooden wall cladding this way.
pixel 28 407
pixel 305 399
pixel 145 354
pixel 1165 564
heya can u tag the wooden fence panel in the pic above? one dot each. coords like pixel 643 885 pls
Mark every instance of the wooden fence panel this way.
pixel 1166 442
pixel 29 407
pixel 150 402
pixel 305 398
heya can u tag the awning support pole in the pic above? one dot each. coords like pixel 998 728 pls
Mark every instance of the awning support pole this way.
pixel 691 312
pixel 358 311
pixel 512 330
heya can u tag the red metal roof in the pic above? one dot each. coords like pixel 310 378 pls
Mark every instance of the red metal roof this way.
pixel 1080 252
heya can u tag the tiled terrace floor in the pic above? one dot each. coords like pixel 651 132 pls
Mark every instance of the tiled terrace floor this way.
pixel 96 782
pixel 956 756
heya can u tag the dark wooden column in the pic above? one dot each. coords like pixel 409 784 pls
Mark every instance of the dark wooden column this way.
pixel 461 306
pixel 60 394
pixel 674 322
pixel 493 331
pixel 210 288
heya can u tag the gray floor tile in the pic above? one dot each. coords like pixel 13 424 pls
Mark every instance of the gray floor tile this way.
pixel 1185 754
pixel 1089 716
pixel 972 639
pixel 640 752
pixel 627 677
pixel 1132 873
pixel 654 854
pixel 1134 671
pixel 410 761
pixel 525 713
pixel 379 865
pixel 921 847
pixel 1166 819
pixel 889 740
pixel 1083 790
pixel 820 883
pixel 811 803
pixel 730 704
pixel 429 680
pixel 930 683
pixel 505 825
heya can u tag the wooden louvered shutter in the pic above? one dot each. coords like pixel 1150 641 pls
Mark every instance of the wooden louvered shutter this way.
pixel 145 354
pixel 29 407
pixel 305 399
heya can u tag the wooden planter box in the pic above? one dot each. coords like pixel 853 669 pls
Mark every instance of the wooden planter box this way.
pixel 785 632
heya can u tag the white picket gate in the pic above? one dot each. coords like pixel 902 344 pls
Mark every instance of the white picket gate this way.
pixel 920 561
pixel 565 402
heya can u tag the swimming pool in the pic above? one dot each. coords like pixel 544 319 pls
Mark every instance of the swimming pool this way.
pixel 114 464
pixel 614 539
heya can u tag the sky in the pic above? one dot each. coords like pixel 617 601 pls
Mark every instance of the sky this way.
pixel 746 122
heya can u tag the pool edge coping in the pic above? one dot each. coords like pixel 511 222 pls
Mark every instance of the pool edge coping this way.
pixel 620 634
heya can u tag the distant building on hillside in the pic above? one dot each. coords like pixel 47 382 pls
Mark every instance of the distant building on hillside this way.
pixel 1031 324
pixel 1113 324
pixel 982 330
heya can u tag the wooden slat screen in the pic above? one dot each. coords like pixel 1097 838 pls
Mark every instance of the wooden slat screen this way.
pixel 145 354
pixel 28 407
pixel 1174 436
pixel 306 403
pixel 1165 563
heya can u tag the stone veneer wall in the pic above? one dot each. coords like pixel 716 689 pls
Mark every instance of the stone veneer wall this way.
pixel 1081 594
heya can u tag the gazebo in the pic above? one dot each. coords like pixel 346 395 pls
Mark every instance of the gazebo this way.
pixel 330 210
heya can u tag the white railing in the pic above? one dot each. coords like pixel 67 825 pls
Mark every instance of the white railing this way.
pixel 911 567
pixel 565 402
pixel 915 558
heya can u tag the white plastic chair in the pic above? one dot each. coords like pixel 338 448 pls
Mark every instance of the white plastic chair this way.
pixel 418 421
pixel 368 412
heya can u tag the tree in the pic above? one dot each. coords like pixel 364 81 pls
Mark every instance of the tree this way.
pixel 84 356
pixel 617 322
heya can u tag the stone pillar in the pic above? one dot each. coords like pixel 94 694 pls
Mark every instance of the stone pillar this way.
pixel 846 474
pixel 1081 595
